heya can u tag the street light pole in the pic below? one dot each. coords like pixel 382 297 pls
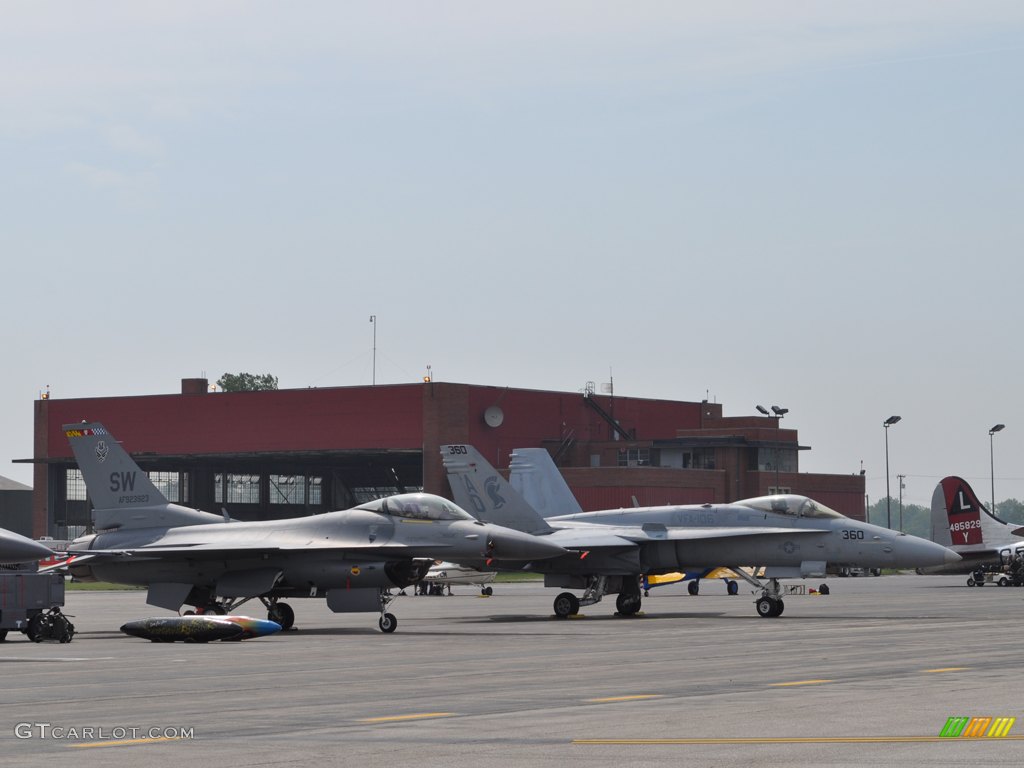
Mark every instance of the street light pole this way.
pixel 888 501
pixel 373 321
pixel 992 461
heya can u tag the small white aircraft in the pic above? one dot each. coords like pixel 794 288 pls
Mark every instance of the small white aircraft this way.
pixel 445 574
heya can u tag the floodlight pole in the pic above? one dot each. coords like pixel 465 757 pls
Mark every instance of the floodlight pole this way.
pixel 373 321
pixel 992 461
pixel 888 501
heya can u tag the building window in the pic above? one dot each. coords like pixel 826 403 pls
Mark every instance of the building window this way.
pixel 767 458
pixel 635 457
pixel 287 489
pixel 241 489
pixel 173 485
pixel 75 486
pixel 699 458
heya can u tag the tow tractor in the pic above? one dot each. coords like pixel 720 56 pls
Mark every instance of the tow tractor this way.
pixel 30 603
pixel 1009 572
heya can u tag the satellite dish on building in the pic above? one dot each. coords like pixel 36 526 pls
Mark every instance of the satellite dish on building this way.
pixel 494 416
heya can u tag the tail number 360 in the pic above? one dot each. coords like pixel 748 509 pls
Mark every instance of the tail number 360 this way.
pixel 852 533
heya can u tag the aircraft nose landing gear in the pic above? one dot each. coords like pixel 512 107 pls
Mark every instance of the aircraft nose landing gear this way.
pixel 769 607
pixel 282 613
pixel 770 604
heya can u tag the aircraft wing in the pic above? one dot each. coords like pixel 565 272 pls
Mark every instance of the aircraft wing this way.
pixel 210 551
pixel 595 536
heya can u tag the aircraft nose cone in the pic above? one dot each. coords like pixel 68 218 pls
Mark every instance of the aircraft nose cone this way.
pixel 515 545
pixel 15 548
pixel 912 552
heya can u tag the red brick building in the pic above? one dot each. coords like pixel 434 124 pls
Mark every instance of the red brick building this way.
pixel 293 452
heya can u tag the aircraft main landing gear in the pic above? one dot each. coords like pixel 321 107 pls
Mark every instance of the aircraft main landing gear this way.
pixel 566 605
pixel 629 601
pixel 627 604
pixel 387 622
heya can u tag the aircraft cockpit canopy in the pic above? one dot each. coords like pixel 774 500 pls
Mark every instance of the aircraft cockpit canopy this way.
pixel 417 506
pixel 787 504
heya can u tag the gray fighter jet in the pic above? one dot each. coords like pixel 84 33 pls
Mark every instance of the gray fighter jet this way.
pixel 15 548
pixel 779 536
pixel 352 557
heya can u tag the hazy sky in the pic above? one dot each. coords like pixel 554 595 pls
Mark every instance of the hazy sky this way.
pixel 815 205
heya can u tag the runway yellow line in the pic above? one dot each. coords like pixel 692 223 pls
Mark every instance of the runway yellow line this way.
pixel 797 740
pixel 799 682
pixel 947 669
pixel 625 698
pixel 122 742
pixel 397 718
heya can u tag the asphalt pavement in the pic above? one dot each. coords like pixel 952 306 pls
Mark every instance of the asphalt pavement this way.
pixel 870 673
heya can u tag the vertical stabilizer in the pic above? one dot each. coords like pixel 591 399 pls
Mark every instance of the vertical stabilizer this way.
pixel 533 473
pixel 959 520
pixel 484 493
pixel 122 494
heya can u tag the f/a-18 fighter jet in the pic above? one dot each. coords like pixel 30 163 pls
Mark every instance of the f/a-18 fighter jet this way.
pixel 351 557
pixel 787 536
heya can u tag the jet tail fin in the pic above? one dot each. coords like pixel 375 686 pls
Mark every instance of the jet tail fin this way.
pixel 122 494
pixel 960 520
pixel 483 492
pixel 533 473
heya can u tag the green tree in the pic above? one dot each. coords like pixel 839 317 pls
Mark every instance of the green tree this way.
pixel 916 519
pixel 1011 510
pixel 246 382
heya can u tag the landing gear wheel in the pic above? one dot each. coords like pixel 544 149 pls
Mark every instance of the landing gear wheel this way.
pixel 388 623
pixel 693 587
pixel 627 604
pixel 823 589
pixel 213 609
pixel 566 605
pixel 732 588
pixel 3 635
pixel 769 607
pixel 487 591
pixel 283 614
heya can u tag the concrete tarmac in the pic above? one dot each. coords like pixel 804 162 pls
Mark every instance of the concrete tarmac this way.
pixel 868 674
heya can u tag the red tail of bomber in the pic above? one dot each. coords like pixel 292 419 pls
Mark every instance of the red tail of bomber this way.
pixel 963 510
